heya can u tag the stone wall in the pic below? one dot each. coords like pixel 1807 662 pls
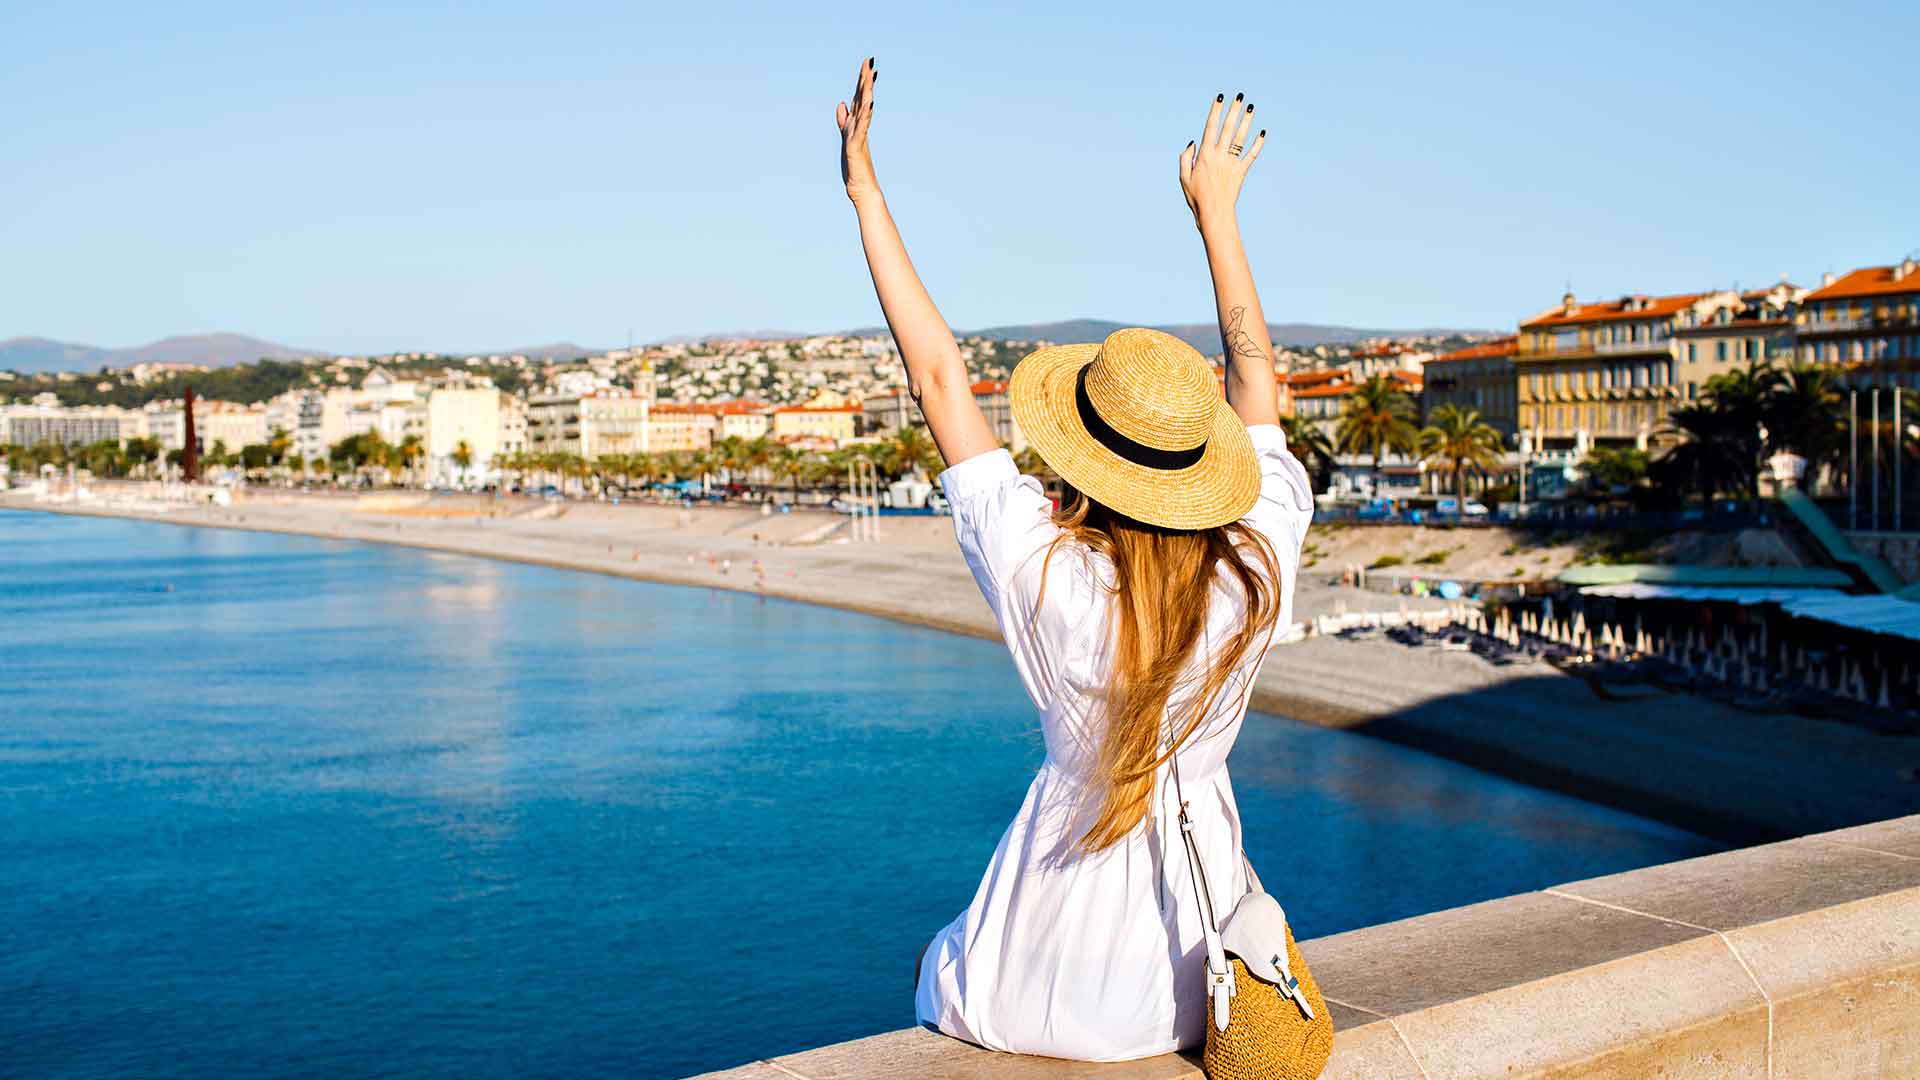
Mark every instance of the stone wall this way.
pixel 1795 959
pixel 1898 550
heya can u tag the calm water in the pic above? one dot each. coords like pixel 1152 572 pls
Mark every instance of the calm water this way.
pixel 272 806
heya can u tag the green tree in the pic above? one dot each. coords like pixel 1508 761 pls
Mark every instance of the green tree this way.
pixel 1615 468
pixel 1720 436
pixel 1805 414
pixel 1377 417
pixel 1459 438
pixel 1309 442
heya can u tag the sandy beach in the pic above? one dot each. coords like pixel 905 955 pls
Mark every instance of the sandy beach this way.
pixel 1739 776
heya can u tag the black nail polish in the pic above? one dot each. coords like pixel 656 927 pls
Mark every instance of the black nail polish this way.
pixel 1239 97
pixel 1218 98
pixel 1263 133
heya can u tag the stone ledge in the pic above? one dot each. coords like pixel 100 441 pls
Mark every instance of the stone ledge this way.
pixel 1795 959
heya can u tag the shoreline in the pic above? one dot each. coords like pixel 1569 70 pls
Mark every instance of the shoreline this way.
pixel 1675 758
pixel 652 577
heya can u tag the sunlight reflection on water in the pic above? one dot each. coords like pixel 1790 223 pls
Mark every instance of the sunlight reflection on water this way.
pixel 337 808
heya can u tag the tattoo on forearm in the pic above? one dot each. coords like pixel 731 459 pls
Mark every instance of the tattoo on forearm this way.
pixel 1239 342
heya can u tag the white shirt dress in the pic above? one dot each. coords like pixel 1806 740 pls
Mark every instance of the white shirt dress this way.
pixel 1094 957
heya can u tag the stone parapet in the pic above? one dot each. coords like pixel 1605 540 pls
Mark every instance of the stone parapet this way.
pixel 1794 959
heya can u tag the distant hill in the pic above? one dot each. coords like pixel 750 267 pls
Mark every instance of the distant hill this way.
pixel 559 350
pixel 1206 336
pixel 31 355
pixel 737 335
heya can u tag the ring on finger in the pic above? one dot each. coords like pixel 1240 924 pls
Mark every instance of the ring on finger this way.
pixel 1235 148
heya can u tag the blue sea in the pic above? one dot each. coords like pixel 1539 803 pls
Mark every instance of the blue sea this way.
pixel 275 806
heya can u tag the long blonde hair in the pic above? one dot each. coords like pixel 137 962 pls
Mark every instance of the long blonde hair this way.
pixel 1163 579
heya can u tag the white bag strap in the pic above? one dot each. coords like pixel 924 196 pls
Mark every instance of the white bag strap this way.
pixel 1220 988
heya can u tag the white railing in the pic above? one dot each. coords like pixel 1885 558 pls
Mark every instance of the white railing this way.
pixel 1657 345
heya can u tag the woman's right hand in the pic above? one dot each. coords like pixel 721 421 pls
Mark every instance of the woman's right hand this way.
pixel 1212 170
pixel 856 161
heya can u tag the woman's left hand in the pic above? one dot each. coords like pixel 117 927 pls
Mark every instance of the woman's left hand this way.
pixel 856 160
pixel 1212 169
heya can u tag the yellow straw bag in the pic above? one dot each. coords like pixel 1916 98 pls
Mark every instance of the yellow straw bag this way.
pixel 1266 1020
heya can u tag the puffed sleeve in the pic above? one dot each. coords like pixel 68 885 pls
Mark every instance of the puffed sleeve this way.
pixel 1004 522
pixel 1285 505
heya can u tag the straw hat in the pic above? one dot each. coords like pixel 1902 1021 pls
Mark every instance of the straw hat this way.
pixel 1137 424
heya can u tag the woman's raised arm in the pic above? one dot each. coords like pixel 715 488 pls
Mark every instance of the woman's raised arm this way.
pixel 1211 172
pixel 936 375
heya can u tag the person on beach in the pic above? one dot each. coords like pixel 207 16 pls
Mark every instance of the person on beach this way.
pixel 1137 614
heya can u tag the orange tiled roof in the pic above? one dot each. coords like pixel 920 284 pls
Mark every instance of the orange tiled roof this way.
pixel 1868 281
pixel 1653 307
pixel 990 386
pixel 819 409
pixel 1486 350
pixel 1326 390
pixel 710 408
pixel 1318 375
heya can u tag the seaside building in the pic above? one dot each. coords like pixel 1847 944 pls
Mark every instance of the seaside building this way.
pixel 513 425
pixel 1867 323
pixel 322 421
pixel 1479 377
pixel 991 396
pixel 553 424
pixel 1756 327
pixel 1320 394
pixel 885 414
pixel 744 420
pixel 228 424
pixel 1370 358
pixel 1602 372
pixel 828 426
pixel 79 425
pixel 1317 395
pixel 676 427
pixel 468 414
pixel 613 421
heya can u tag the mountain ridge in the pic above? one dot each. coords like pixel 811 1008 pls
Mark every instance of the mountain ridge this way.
pixel 40 355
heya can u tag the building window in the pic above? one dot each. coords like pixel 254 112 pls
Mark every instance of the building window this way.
pixel 1693 352
pixel 1719 352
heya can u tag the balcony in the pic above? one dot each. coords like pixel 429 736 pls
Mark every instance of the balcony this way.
pixel 1615 348
pixel 1655 347
pixel 1857 324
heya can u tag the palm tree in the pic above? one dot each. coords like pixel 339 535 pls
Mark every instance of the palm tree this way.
pixel 758 455
pixel 1376 418
pixel 1715 454
pixel 910 451
pixel 790 465
pixel 406 454
pixel 1721 435
pixel 462 453
pixel 1309 442
pixel 1803 415
pixel 1460 438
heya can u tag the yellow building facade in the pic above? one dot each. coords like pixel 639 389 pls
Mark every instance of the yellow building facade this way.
pixel 1602 373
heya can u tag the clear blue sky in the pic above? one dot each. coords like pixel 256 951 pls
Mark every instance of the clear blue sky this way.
pixel 474 176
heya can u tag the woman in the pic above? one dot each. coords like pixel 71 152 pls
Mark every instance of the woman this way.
pixel 1137 615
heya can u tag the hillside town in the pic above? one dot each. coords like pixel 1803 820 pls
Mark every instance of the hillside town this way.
pixel 1612 387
